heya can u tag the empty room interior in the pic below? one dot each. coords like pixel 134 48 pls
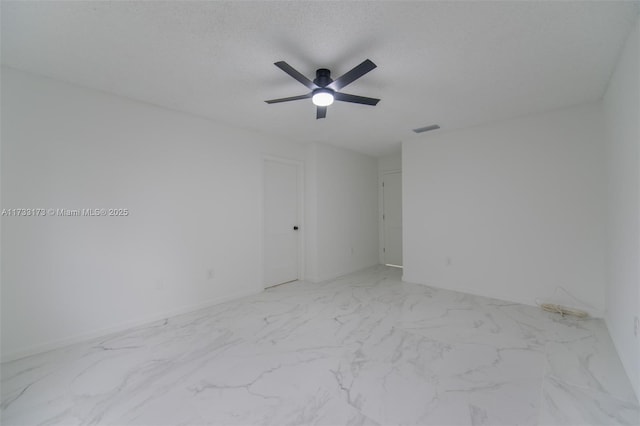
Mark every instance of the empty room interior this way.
pixel 320 213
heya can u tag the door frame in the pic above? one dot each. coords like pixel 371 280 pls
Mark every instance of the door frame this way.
pixel 381 238
pixel 300 194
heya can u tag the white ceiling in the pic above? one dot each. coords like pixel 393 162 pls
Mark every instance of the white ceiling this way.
pixel 457 64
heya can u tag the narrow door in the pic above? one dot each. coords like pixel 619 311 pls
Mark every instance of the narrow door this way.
pixel 392 218
pixel 280 222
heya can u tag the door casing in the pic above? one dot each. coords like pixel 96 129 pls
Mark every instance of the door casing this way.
pixel 382 222
pixel 301 225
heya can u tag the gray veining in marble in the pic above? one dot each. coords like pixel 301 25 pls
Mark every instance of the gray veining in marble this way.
pixel 364 349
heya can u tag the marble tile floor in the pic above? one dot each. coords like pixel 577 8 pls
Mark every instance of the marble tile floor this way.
pixel 364 349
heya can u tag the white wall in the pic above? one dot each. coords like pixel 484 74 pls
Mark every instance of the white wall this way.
pixel 386 164
pixel 622 115
pixel 193 189
pixel 346 226
pixel 509 210
pixel 390 163
pixel 311 214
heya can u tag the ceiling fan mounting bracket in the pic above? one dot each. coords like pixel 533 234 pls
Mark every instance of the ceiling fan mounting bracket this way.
pixel 323 77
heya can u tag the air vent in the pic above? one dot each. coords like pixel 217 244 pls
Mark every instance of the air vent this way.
pixel 426 129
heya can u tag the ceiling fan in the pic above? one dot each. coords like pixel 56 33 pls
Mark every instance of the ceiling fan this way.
pixel 324 90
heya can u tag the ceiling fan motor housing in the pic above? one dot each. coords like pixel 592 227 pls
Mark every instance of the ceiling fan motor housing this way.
pixel 323 77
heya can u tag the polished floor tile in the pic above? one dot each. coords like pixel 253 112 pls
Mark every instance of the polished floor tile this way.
pixel 566 404
pixel 364 349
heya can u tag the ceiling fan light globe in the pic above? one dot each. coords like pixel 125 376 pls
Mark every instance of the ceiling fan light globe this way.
pixel 322 98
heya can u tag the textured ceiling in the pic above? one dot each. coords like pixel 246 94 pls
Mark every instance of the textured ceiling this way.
pixel 457 64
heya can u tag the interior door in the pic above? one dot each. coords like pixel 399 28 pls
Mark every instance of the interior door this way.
pixel 392 218
pixel 280 222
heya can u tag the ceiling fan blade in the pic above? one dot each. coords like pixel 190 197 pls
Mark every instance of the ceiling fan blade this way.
pixel 352 75
pixel 321 112
pixel 344 97
pixel 292 98
pixel 295 74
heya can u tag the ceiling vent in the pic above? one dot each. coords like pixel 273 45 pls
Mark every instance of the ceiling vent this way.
pixel 426 129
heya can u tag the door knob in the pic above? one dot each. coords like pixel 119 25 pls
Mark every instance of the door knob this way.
pixel 295 228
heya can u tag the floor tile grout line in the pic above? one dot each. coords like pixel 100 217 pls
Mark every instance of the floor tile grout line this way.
pixel 542 381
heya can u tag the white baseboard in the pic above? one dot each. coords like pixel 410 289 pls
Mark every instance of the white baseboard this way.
pixel 332 277
pixel 78 338
pixel 593 312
